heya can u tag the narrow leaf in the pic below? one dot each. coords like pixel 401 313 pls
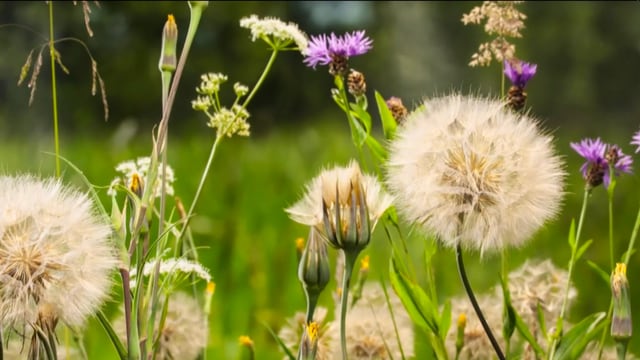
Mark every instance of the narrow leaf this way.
pixel 115 340
pixel 603 274
pixel 573 343
pixel 583 248
pixel 388 122
pixel 572 234
pixel 284 347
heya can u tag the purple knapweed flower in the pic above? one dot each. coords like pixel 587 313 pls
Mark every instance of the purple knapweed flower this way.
pixel 598 156
pixel 635 140
pixel 324 50
pixel 519 72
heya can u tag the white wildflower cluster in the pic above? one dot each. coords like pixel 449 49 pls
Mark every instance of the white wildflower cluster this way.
pixel 503 20
pixel 173 267
pixel 226 121
pixel 275 32
pixel 140 168
pixel 535 283
pixel 370 329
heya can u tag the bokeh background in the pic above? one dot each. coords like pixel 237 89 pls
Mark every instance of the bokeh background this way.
pixel 587 85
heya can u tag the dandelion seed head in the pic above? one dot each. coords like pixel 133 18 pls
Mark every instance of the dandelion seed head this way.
pixel 474 173
pixel 56 257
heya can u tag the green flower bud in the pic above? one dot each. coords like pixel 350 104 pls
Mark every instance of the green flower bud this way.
pixel 313 270
pixel 621 321
pixel 168 57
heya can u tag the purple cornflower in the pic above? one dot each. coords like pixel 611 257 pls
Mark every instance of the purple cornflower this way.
pixel 598 156
pixel 519 72
pixel 324 50
pixel 635 140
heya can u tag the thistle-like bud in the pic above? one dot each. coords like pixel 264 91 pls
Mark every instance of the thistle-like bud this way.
pixel 516 97
pixel 621 321
pixel 313 270
pixel 356 83
pixel 339 65
pixel 462 323
pixel 346 215
pixel 168 57
pixel 398 110
pixel 309 343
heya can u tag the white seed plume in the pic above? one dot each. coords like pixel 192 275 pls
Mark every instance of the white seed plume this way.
pixel 474 173
pixel 56 257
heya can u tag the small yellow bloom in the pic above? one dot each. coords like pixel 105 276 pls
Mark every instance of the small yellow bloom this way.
pixel 245 341
pixel 364 263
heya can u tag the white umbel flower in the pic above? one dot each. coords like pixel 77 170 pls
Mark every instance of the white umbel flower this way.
pixel 281 32
pixel 474 173
pixel 56 257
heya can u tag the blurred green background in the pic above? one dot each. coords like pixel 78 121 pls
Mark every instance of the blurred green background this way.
pixel 586 86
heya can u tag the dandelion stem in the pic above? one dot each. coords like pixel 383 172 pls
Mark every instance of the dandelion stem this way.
pixel 54 91
pixel 349 260
pixel 474 303
pixel 574 250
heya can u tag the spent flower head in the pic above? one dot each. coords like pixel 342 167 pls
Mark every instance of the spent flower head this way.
pixel 474 173
pixel 600 158
pixel 337 198
pixel 134 171
pixel 336 50
pixel 503 20
pixel 56 256
pixel 278 34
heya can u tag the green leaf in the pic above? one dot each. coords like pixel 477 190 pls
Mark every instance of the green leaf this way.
pixel 445 319
pixel 512 321
pixel 583 248
pixel 376 149
pixel 284 347
pixel 572 234
pixel 362 115
pixel 389 124
pixel 573 343
pixel 541 319
pixel 115 340
pixel 524 331
pixel 418 305
pixel 603 274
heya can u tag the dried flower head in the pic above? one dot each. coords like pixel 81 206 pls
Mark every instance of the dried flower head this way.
pixel 397 108
pixel 336 50
pixel 184 334
pixel 535 283
pixel 291 333
pixel 356 83
pixel 332 193
pixel 596 169
pixel 56 257
pixel 503 20
pixel 275 32
pixel 370 330
pixel 137 171
pixel 474 173
pixel 635 140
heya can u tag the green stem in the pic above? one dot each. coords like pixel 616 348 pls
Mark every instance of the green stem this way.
pixel 263 76
pixel 610 199
pixel 187 219
pixel 349 261
pixel 54 91
pixel 574 249
pixel 605 328
pixel 476 306
pixel 632 240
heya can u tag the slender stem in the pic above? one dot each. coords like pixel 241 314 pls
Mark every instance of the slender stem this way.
pixel 349 260
pixel 187 219
pixel 605 329
pixel 263 76
pixel 574 250
pixel 54 91
pixel 611 261
pixel 632 240
pixel 474 303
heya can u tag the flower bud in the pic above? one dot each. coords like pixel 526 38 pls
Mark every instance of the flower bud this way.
pixel 313 270
pixel 398 110
pixel 621 321
pixel 356 83
pixel 462 323
pixel 168 57
pixel 309 343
